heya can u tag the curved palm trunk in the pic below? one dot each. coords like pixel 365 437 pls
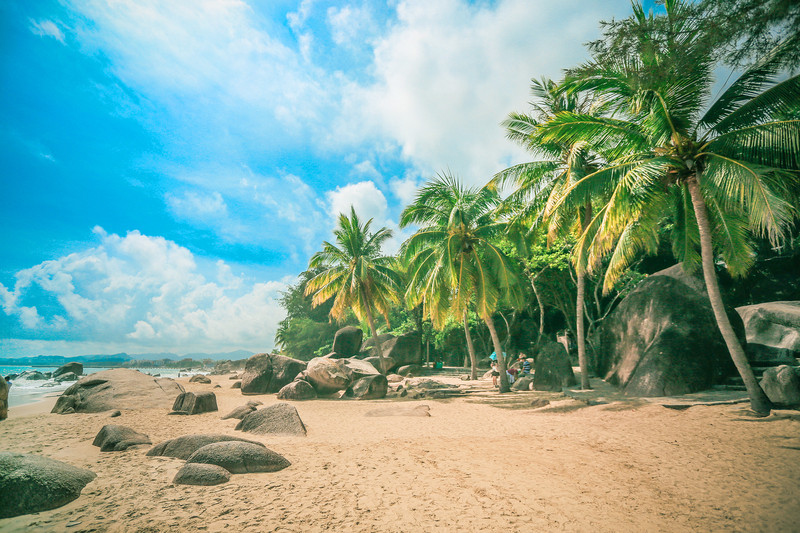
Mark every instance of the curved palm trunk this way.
pixel 580 330
pixel 759 402
pixel 373 331
pixel 581 333
pixel 498 349
pixel 473 359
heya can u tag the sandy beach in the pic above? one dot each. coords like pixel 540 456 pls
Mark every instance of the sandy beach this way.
pixel 479 463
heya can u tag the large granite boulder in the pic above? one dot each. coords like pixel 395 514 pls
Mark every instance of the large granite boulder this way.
pixel 276 419
pixel 327 375
pixel 200 378
pixel 114 438
pixel 372 387
pixel 194 403
pixel 4 386
pixel 31 375
pixel 662 340
pixel 553 369
pixel 183 447
pixel 782 385
pixel 118 388
pixel 239 457
pixel 74 367
pixel 267 373
pixel 347 341
pixel 404 350
pixel 30 484
pixel 382 364
pixel 773 332
pixel 298 389
pixel 371 346
pixel 201 474
pixel 524 383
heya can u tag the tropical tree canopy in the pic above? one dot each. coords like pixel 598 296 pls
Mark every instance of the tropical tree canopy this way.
pixel 354 272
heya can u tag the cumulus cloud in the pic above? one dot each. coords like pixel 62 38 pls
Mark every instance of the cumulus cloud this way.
pixel 367 200
pixel 140 292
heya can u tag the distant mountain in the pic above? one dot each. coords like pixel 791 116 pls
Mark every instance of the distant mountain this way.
pixel 118 359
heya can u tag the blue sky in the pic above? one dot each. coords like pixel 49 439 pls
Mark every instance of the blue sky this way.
pixel 168 167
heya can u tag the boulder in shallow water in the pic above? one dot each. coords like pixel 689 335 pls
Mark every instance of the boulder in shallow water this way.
pixel 201 474
pixel 31 375
pixel 277 419
pixel 115 438
pixel 119 388
pixel 194 403
pixel 239 457
pixel 74 367
pixel 69 376
pixel 298 389
pixel 183 447
pixel 30 483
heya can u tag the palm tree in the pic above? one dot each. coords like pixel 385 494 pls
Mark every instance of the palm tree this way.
pixel 453 261
pixel 540 184
pixel 355 273
pixel 723 170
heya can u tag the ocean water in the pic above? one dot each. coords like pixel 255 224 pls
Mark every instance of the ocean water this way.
pixel 25 391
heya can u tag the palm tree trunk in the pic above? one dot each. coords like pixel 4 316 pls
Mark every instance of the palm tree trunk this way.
pixel 498 349
pixel 372 329
pixel 541 311
pixel 580 332
pixel 473 359
pixel 759 402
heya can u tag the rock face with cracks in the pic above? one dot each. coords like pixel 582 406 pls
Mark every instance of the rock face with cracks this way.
pixel 30 483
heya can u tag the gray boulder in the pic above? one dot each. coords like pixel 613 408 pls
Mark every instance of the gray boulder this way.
pixel 328 375
pixel 239 457
pixel 201 474
pixel 662 340
pixel 4 386
pixel 372 345
pixel 523 383
pixel 241 411
pixel 404 350
pixel 297 390
pixel 782 385
pixel 118 388
pixel 553 369
pixel 114 438
pixel 74 367
pixel 368 388
pixel 200 378
pixel 31 375
pixel 30 484
pixel 69 376
pixel 382 364
pixel 194 403
pixel 347 341
pixel 276 419
pixel 183 447
pixel 267 373
pixel 237 385
pixel 773 332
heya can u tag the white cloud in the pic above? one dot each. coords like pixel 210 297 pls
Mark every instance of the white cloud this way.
pixel 367 200
pixel 405 189
pixel 197 205
pixel 351 25
pixel 47 28
pixel 140 292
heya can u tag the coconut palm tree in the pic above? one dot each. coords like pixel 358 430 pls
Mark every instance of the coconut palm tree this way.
pixel 538 185
pixel 354 272
pixel 453 261
pixel 722 170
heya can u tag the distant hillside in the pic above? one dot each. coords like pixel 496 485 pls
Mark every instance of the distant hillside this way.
pixel 119 358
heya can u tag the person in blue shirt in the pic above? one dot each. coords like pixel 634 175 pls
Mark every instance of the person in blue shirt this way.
pixel 525 365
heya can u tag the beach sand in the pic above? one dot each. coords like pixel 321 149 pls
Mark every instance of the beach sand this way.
pixel 478 463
